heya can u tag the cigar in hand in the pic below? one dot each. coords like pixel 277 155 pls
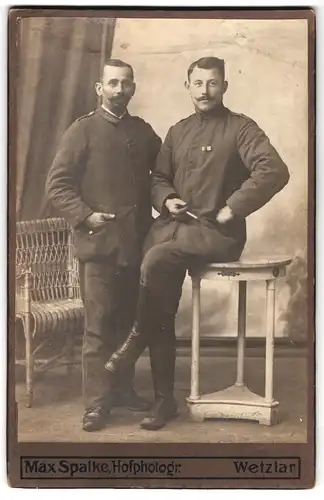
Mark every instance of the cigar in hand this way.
pixel 191 215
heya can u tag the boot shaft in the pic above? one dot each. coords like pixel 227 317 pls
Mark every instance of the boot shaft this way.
pixel 162 358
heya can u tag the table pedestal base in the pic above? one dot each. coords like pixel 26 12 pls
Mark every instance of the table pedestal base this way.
pixel 235 402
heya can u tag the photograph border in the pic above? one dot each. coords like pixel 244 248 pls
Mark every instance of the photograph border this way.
pixel 305 452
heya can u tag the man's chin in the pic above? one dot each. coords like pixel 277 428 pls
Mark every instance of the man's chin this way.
pixel 118 105
pixel 206 107
pixel 117 109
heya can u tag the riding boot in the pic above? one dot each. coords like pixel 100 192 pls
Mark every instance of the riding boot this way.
pixel 123 393
pixel 137 340
pixel 162 357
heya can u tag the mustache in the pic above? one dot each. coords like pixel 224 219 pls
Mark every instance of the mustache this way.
pixel 119 97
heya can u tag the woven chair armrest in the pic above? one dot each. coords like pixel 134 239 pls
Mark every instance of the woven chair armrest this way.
pixel 23 291
pixel 24 284
pixel 22 271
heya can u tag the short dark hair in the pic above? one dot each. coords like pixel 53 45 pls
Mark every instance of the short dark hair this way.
pixel 208 63
pixel 119 64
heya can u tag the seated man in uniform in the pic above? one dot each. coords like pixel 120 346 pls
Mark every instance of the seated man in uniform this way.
pixel 214 169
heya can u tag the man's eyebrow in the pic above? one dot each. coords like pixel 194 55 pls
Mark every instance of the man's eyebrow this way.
pixel 119 79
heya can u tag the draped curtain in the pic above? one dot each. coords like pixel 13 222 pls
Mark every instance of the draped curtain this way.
pixel 59 62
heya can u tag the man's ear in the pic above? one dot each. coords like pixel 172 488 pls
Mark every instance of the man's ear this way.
pixel 186 84
pixel 134 88
pixel 98 87
pixel 225 86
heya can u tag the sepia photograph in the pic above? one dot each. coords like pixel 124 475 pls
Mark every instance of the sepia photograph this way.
pixel 161 240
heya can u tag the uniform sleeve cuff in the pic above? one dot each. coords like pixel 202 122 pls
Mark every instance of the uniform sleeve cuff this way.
pixel 236 207
pixel 79 219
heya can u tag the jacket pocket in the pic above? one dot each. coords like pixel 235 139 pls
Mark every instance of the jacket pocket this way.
pixel 100 244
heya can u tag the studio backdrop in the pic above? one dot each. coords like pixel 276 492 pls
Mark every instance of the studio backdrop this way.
pixel 60 61
pixel 266 67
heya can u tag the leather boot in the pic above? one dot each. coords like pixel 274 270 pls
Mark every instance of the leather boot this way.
pixel 129 352
pixel 162 357
pixel 137 340
pixel 123 393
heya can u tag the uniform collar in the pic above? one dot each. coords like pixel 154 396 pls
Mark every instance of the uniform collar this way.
pixel 113 114
pixel 109 116
pixel 216 112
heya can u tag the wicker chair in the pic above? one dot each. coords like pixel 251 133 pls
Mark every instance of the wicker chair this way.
pixel 48 301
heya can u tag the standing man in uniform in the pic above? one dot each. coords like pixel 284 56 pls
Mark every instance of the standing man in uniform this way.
pixel 220 167
pixel 100 183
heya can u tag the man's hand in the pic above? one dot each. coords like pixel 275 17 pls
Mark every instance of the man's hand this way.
pixel 224 215
pixel 98 219
pixel 176 206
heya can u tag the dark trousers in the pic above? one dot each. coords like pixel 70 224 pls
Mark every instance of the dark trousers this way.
pixel 110 295
pixel 162 274
pixel 165 264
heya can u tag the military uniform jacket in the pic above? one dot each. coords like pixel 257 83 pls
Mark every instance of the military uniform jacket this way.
pixel 210 161
pixel 103 164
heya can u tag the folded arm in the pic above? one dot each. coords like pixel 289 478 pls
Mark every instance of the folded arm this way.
pixel 268 173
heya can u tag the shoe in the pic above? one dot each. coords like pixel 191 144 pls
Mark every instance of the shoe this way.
pixel 95 419
pixel 131 400
pixel 161 414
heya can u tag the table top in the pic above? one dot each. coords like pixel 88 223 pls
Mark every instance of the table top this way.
pixel 249 263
